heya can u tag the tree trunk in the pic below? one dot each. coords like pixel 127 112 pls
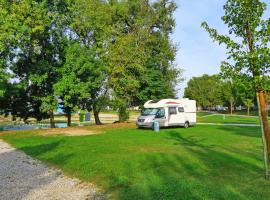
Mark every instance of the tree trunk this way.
pixel 261 103
pixel 52 122
pixel 231 106
pixel 265 130
pixel 248 111
pixel 96 115
pixel 69 119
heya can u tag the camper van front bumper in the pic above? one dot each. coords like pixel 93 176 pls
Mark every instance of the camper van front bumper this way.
pixel 144 124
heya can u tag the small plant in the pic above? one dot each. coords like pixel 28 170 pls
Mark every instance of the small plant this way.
pixel 249 104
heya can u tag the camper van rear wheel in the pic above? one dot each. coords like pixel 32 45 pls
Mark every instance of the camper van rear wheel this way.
pixel 186 125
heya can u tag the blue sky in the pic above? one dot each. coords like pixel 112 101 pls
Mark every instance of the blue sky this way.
pixel 197 54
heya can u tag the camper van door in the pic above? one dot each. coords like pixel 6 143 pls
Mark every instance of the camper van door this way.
pixel 173 116
pixel 161 117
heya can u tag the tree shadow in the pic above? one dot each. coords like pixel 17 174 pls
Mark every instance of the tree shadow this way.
pixel 242 131
pixel 202 172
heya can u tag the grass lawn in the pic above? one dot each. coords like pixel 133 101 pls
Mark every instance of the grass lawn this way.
pixel 219 118
pixel 203 162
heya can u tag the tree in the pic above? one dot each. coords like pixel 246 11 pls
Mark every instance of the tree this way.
pixel 3 81
pixel 246 92
pixel 206 90
pixel 236 90
pixel 161 76
pixel 248 103
pixel 141 54
pixel 250 53
pixel 36 46
pixel 267 98
pixel 81 83
pixel 229 94
pixel 90 25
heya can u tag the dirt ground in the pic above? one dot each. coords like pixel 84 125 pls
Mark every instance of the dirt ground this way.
pixel 72 131
pixel 75 131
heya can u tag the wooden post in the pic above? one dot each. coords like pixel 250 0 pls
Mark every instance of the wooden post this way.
pixel 262 108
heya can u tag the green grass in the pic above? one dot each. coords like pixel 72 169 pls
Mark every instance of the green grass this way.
pixel 203 113
pixel 203 162
pixel 227 119
pixel 241 112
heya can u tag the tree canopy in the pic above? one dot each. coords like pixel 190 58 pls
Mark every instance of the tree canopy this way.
pixel 206 90
pixel 83 53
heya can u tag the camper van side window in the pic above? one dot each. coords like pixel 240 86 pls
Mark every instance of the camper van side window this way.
pixel 181 109
pixel 172 111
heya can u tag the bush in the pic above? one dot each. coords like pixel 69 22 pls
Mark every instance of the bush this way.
pixel 123 114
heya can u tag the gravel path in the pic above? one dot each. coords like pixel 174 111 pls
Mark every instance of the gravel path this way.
pixel 23 178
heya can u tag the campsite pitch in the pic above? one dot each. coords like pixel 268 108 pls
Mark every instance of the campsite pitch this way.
pixel 203 162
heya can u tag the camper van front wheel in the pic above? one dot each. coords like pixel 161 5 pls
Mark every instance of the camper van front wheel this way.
pixel 186 125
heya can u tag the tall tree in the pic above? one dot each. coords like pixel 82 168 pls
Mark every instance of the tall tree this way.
pixel 36 42
pixel 161 76
pixel 90 25
pixel 250 53
pixel 141 54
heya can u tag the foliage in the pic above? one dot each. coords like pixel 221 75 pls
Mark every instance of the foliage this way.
pixel 245 23
pixel 248 103
pixel 35 43
pixel 3 82
pixel 141 55
pixel 125 45
pixel 206 90
pixel 82 78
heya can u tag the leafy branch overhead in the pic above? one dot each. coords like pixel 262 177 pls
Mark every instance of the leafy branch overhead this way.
pixel 248 39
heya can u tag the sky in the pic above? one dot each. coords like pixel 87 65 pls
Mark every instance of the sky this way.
pixel 197 54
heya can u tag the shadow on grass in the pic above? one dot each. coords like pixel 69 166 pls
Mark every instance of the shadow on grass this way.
pixel 200 172
pixel 237 130
pixel 37 151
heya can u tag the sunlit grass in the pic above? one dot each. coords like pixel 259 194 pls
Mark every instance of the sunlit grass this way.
pixel 228 119
pixel 203 162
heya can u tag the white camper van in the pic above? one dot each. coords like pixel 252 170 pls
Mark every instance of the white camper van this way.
pixel 168 112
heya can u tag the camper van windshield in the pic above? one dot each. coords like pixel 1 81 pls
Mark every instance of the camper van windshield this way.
pixel 150 111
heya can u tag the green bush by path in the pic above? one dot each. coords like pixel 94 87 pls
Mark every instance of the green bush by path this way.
pixel 203 162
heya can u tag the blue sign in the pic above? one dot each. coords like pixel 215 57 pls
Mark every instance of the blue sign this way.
pixel 87 117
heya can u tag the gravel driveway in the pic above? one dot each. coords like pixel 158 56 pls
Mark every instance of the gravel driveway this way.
pixel 22 177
